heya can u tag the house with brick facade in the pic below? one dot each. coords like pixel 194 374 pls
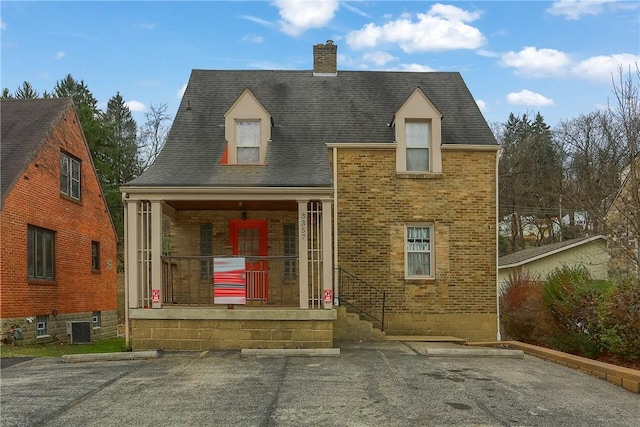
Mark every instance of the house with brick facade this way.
pixel 370 191
pixel 58 251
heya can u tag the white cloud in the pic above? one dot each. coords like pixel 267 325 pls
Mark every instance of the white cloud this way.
pixel 601 68
pixel 378 58
pixel 257 20
pixel 537 63
pixel 253 38
pixel 180 92
pixel 3 25
pixel 414 68
pixel 575 9
pixel 136 106
pixel 487 53
pixel 355 10
pixel 481 105
pixel 443 27
pixel 526 97
pixel 298 16
pixel 59 55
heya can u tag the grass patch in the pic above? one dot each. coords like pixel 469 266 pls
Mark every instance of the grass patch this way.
pixel 111 345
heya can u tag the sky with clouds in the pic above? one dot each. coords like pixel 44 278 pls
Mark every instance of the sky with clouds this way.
pixel 515 56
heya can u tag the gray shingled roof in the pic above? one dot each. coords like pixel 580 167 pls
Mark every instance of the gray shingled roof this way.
pixel 25 124
pixel 308 112
pixel 541 251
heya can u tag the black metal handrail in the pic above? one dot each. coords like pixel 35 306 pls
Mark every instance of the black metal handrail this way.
pixel 357 294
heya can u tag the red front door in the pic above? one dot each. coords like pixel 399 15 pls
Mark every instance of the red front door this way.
pixel 249 240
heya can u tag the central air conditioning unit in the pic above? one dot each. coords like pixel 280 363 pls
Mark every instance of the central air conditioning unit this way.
pixel 80 332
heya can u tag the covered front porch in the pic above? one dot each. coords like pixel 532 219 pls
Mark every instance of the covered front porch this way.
pixel 176 241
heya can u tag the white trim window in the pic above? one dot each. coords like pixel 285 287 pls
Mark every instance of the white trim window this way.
pixel 419 251
pixel 96 319
pixel 418 144
pixel 248 142
pixel 42 326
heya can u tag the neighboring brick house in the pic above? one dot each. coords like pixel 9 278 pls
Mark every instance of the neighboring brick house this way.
pixel 58 251
pixel 623 224
pixel 337 187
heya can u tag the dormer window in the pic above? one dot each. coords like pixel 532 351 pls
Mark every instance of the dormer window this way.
pixel 418 134
pixel 418 144
pixel 248 142
pixel 247 126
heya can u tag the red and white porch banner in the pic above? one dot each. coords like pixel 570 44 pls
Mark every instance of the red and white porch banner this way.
pixel 229 285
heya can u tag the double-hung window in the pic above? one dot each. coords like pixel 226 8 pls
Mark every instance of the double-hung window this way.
pixel 70 176
pixel 418 144
pixel 248 142
pixel 41 253
pixel 419 251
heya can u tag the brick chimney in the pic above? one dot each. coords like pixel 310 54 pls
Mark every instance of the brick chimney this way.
pixel 325 59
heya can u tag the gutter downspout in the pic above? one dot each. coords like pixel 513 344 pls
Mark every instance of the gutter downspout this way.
pixel 499 335
pixel 126 276
pixel 336 289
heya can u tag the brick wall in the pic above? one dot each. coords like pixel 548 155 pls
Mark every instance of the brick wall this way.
pixel 36 199
pixel 374 204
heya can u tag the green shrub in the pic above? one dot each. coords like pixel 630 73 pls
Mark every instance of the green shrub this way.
pixel 522 312
pixel 619 325
pixel 574 300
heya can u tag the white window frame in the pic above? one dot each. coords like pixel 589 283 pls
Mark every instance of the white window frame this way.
pixel 96 319
pixel 42 326
pixel 70 175
pixel 418 144
pixel 248 143
pixel 430 251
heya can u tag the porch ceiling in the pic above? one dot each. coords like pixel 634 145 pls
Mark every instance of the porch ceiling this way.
pixel 284 205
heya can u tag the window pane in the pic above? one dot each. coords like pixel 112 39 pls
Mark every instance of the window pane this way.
pixel 39 254
pixel 248 156
pixel 418 264
pixel 417 159
pixel 64 174
pixel 49 255
pixel 31 252
pixel 248 133
pixel 417 134
pixel 75 179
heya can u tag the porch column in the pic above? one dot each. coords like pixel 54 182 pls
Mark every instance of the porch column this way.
pixel 156 252
pixel 303 253
pixel 131 253
pixel 327 258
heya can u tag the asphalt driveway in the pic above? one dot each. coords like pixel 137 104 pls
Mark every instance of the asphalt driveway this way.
pixel 380 384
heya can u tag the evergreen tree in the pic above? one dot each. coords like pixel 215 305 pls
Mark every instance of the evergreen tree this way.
pixel 6 94
pixel 26 91
pixel 120 152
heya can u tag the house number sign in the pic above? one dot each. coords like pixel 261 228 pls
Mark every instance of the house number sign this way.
pixel 302 220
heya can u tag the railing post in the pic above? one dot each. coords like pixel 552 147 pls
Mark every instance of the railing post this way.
pixel 384 301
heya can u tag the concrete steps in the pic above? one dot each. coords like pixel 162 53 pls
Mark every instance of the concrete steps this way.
pixel 350 327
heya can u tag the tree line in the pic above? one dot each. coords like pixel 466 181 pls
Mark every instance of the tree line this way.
pixel 120 149
pixel 572 171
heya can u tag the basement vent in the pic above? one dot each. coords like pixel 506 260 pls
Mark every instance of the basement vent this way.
pixel 80 332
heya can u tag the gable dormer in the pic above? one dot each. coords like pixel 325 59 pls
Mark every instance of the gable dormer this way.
pixel 247 130
pixel 418 133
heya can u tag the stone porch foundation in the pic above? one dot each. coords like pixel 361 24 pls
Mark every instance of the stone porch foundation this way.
pixel 199 329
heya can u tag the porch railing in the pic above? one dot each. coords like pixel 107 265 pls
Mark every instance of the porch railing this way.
pixel 359 296
pixel 270 280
